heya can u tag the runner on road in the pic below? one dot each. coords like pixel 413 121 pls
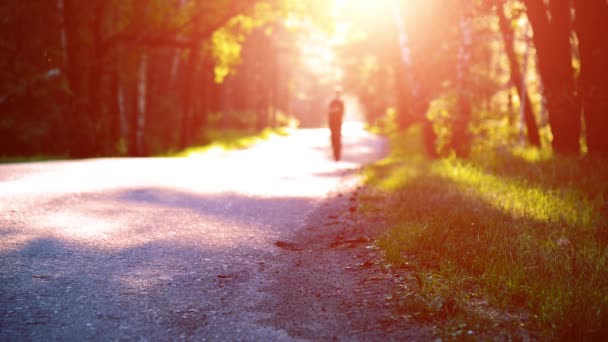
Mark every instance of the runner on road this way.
pixel 336 113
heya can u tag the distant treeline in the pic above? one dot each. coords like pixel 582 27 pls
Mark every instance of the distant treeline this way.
pixel 138 77
pixel 108 77
pixel 460 58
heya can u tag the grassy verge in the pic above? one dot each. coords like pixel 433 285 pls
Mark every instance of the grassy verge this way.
pixel 219 140
pixel 228 140
pixel 506 240
pixel 8 160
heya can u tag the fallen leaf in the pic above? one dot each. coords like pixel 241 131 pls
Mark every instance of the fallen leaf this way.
pixel 288 246
pixel 41 276
pixel 367 263
pixel 351 243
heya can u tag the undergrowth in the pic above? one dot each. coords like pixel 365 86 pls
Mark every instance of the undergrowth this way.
pixel 24 159
pixel 229 140
pixel 504 240
pixel 216 139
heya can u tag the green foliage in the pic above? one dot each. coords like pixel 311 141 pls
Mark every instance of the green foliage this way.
pixel 441 113
pixel 227 52
pixel 29 159
pixel 506 239
pixel 134 77
pixel 222 140
pixel 226 43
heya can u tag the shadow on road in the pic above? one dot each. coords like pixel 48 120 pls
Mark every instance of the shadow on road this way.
pixel 115 261
pixel 166 264
pixel 57 290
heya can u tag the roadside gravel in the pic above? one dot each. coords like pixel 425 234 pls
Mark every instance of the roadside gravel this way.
pixel 331 284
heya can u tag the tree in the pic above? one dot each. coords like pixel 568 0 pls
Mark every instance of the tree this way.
pixel 591 25
pixel 111 74
pixel 461 137
pixel 419 71
pixel 32 91
pixel 516 76
pixel 552 25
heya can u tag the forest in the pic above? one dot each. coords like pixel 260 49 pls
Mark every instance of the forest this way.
pixel 142 77
pixel 494 189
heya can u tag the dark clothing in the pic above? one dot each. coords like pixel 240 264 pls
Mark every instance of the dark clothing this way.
pixel 336 112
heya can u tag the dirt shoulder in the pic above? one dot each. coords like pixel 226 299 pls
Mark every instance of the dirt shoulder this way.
pixel 331 284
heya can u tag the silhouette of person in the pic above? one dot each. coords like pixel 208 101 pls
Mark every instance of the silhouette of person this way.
pixel 336 113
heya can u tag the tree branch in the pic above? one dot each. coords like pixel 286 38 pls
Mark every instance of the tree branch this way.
pixel 171 39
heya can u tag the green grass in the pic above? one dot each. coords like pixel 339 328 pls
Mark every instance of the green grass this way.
pixel 503 240
pixel 224 140
pixel 25 159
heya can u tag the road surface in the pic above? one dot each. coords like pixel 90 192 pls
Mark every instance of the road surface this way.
pixel 161 248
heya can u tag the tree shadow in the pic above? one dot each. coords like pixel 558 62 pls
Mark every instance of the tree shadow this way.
pixel 464 235
pixel 186 266
pixel 587 174
pixel 58 290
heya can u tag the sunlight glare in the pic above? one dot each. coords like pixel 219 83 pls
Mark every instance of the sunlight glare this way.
pixel 373 12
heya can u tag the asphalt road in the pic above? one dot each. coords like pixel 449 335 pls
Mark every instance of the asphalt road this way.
pixel 160 248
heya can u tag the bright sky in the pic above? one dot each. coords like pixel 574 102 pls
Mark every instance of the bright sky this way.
pixel 351 19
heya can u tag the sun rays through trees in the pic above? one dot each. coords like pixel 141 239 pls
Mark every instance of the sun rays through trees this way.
pixel 144 76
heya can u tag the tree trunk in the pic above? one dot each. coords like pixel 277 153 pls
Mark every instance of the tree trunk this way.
pixel 64 130
pixel 207 79
pixel 516 77
pixel 95 79
pixel 274 86
pixel 142 104
pixel 62 32
pixel 187 105
pixel 461 137
pixel 136 83
pixel 115 110
pixel 75 69
pixel 552 30
pixel 405 115
pixel 406 97
pixel 133 111
pixel 591 26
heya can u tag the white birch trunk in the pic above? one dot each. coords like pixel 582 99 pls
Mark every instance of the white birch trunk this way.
pixel 63 34
pixel 141 101
pixel 523 93
pixel 404 49
pixel 177 55
pixel 122 113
